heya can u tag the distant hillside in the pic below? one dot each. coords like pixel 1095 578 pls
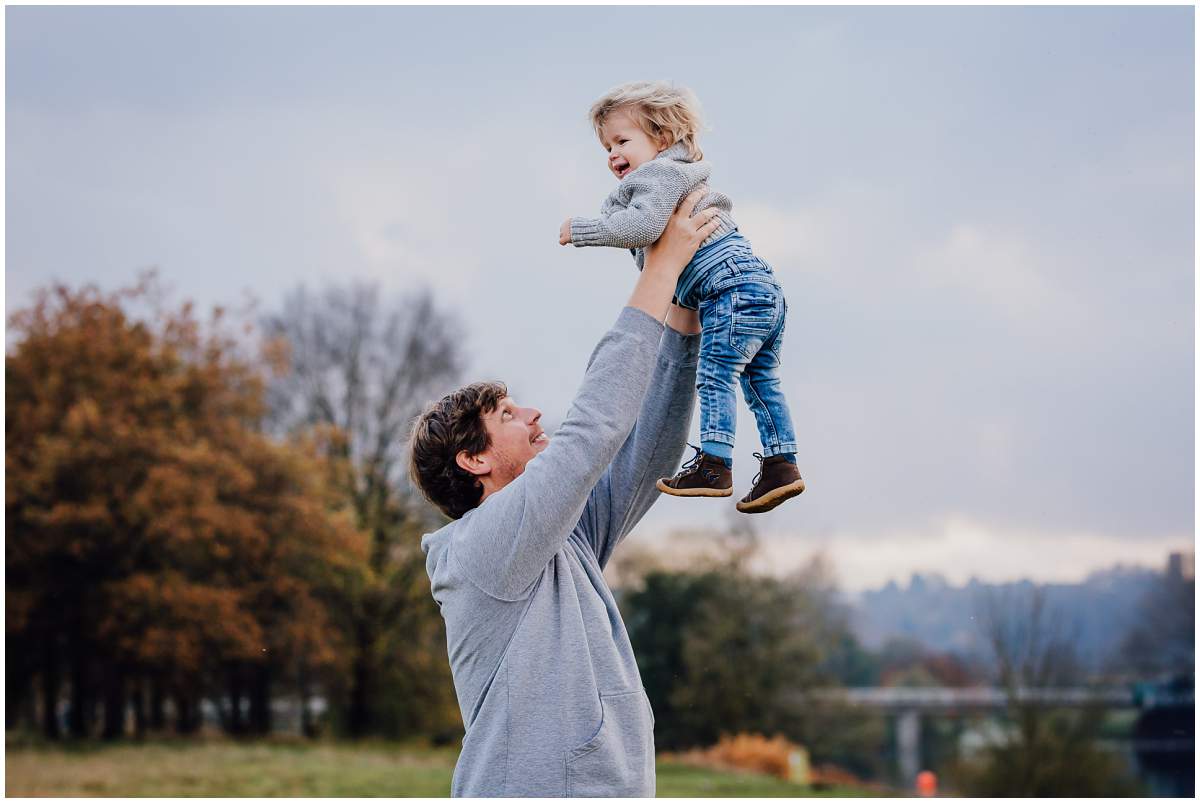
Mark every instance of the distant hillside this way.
pixel 1099 610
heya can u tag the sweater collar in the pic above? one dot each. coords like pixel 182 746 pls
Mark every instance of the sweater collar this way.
pixel 677 152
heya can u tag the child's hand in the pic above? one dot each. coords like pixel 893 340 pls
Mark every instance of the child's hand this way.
pixel 564 232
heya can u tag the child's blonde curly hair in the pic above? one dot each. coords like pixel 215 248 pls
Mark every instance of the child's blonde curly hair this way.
pixel 666 113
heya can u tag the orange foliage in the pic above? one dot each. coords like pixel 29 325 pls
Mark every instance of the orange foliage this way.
pixel 751 752
pixel 147 515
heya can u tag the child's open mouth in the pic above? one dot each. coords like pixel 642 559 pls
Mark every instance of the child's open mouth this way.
pixel 621 168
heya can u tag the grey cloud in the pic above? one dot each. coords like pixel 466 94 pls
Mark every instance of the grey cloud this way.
pixel 982 217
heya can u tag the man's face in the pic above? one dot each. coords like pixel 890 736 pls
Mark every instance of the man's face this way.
pixel 516 438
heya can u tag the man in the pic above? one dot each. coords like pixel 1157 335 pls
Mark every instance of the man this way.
pixel 545 675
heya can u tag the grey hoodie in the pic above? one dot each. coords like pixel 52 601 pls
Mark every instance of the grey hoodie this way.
pixel 546 679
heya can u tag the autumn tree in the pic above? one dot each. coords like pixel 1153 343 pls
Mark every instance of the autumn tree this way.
pixel 156 539
pixel 359 367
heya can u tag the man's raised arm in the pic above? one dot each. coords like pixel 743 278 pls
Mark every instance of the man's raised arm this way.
pixel 505 543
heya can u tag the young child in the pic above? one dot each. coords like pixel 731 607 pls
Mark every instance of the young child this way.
pixel 649 130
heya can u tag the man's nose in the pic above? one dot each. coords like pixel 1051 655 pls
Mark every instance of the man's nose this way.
pixel 532 414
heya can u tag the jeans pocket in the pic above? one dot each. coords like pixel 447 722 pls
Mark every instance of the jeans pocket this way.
pixel 755 313
pixel 618 761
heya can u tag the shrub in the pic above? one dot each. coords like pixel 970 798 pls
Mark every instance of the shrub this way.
pixel 750 752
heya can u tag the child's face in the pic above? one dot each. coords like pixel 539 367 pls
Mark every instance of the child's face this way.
pixel 628 146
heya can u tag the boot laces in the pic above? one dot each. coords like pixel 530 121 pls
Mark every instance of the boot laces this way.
pixel 693 464
pixel 758 476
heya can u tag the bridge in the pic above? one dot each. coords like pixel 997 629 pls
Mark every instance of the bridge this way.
pixel 907 704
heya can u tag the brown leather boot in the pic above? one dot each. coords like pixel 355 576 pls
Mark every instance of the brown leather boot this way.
pixel 778 481
pixel 703 475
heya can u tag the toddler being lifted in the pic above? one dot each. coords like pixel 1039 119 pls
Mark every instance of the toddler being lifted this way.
pixel 649 130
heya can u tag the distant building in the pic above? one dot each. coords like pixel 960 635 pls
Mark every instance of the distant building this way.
pixel 1181 566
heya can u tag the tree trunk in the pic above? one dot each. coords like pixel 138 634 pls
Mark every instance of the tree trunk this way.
pixel 79 719
pixel 50 683
pixel 359 718
pixel 237 725
pixel 17 685
pixel 186 714
pixel 114 704
pixel 308 727
pixel 260 699
pixel 139 707
pixel 158 710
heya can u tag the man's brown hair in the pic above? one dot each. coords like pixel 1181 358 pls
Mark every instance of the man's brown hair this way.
pixel 444 429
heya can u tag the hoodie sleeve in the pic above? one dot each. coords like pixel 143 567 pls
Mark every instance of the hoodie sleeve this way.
pixel 628 488
pixel 504 544
pixel 654 190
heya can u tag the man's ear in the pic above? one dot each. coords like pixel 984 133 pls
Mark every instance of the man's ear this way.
pixel 472 463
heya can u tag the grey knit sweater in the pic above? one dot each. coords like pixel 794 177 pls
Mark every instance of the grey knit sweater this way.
pixel 635 214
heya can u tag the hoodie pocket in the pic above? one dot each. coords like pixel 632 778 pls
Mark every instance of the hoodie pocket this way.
pixel 618 761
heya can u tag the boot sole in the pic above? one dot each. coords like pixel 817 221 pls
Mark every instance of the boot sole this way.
pixel 667 489
pixel 772 499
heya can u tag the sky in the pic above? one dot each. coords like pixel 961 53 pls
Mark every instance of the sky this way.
pixel 982 218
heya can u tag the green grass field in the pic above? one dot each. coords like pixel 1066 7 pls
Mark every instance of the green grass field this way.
pixel 229 769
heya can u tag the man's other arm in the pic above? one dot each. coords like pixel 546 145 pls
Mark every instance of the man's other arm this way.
pixel 627 489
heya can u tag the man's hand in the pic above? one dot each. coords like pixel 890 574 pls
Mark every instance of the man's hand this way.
pixel 667 258
pixel 683 235
pixel 564 232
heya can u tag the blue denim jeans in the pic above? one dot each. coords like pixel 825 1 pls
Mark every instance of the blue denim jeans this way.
pixel 742 314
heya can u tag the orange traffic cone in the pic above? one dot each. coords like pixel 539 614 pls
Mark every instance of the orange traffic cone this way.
pixel 926 784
